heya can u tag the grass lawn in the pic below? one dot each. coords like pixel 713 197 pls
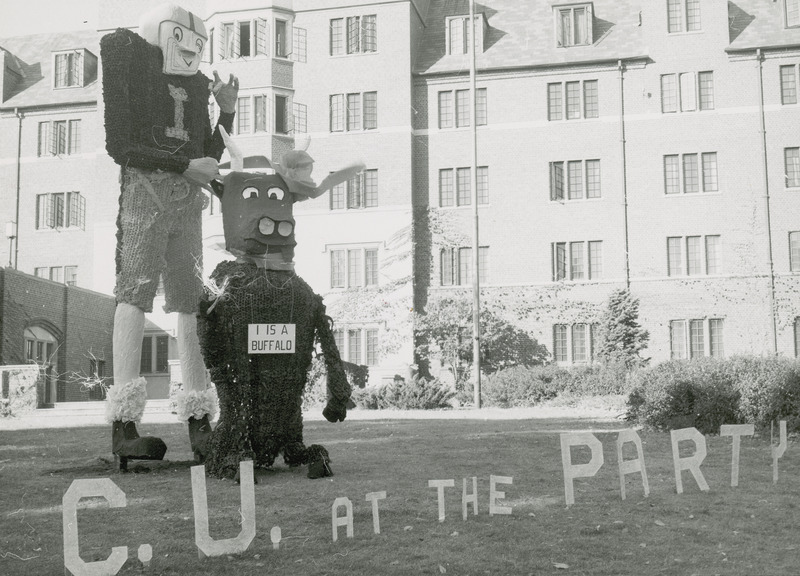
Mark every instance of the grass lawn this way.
pixel 750 530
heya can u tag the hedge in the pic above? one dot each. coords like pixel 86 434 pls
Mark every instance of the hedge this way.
pixel 708 392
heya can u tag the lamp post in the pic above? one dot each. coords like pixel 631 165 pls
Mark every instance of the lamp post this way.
pixel 476 291
pixel 11 234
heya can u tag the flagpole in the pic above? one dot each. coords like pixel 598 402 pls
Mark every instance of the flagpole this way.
pixel 476 298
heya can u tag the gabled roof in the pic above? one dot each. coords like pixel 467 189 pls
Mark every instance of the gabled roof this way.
pixel 759 24
pixel 33 56
pixel 522 33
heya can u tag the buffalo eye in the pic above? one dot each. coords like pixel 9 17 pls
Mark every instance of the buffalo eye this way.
pixel 250 192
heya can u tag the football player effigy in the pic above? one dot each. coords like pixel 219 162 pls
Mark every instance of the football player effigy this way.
pixel 158 131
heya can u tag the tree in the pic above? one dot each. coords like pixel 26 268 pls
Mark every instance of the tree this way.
pixel 445 330
pixel 621 337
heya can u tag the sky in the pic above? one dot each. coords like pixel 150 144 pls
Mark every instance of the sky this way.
pixel 17 16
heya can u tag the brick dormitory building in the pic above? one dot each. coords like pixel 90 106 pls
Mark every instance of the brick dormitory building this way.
pixel 653 144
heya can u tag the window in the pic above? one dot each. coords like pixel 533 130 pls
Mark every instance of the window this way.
pixel 57 274
pixel 300 117
pixel 581 98
pixel 354 34
pixel 260 37
pixel 243 115
pixel 59 137
pixel 792 8
pixel 336 38
pixel 354 111
pixel 281 114
pixel 456 266
pixel 155 355
pixel 702 255
pixel 567 180
pixel 454 108
pixel 791 159
pixel 458 33
pixel 41 272
pixel 371 348
pixel 797 337
pixel 354 267
pixel 683 16
pixel 696 338
pixel 227 40
pixel 574 343
pixel 794 251
pixel 281 44
pixel 573 25
pixel 299 44
pixel 359 345
pixel 789 84
pixel 244 38
pixel 354 346
pixel 455 187
pixel 370 110
pixel 690 173
pixel 71 275
pixel 577 260
pixel 346 111
pixel 687 92
pixel 272 113
pixel 361 191
pixel 208 51
pixel 68 70
pixel 40 345
pixel 60 210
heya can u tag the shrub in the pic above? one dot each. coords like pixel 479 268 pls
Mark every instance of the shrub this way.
pixel 681 394
pixel 599 379
pixel 418 393
pixel 521 386
pixel 708 392
pixel 769 389
pixel 315 394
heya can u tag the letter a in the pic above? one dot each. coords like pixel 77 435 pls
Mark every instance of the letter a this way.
pixel 347 520
pixel 631 466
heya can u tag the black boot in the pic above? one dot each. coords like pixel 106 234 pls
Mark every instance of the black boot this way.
pixel 318 462
pixel 199 437
pixel 126 444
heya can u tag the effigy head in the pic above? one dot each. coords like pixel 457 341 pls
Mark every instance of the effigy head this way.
pixel 257 218
pixel 263 202
pixel 180 34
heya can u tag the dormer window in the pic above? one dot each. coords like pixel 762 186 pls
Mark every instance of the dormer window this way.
pixel 74 68
pixel 573 24
pixel 458 33
pixel 69 69
pixel 792 8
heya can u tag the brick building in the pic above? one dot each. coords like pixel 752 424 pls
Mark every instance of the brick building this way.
pixel 643 143
pixel 64 329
